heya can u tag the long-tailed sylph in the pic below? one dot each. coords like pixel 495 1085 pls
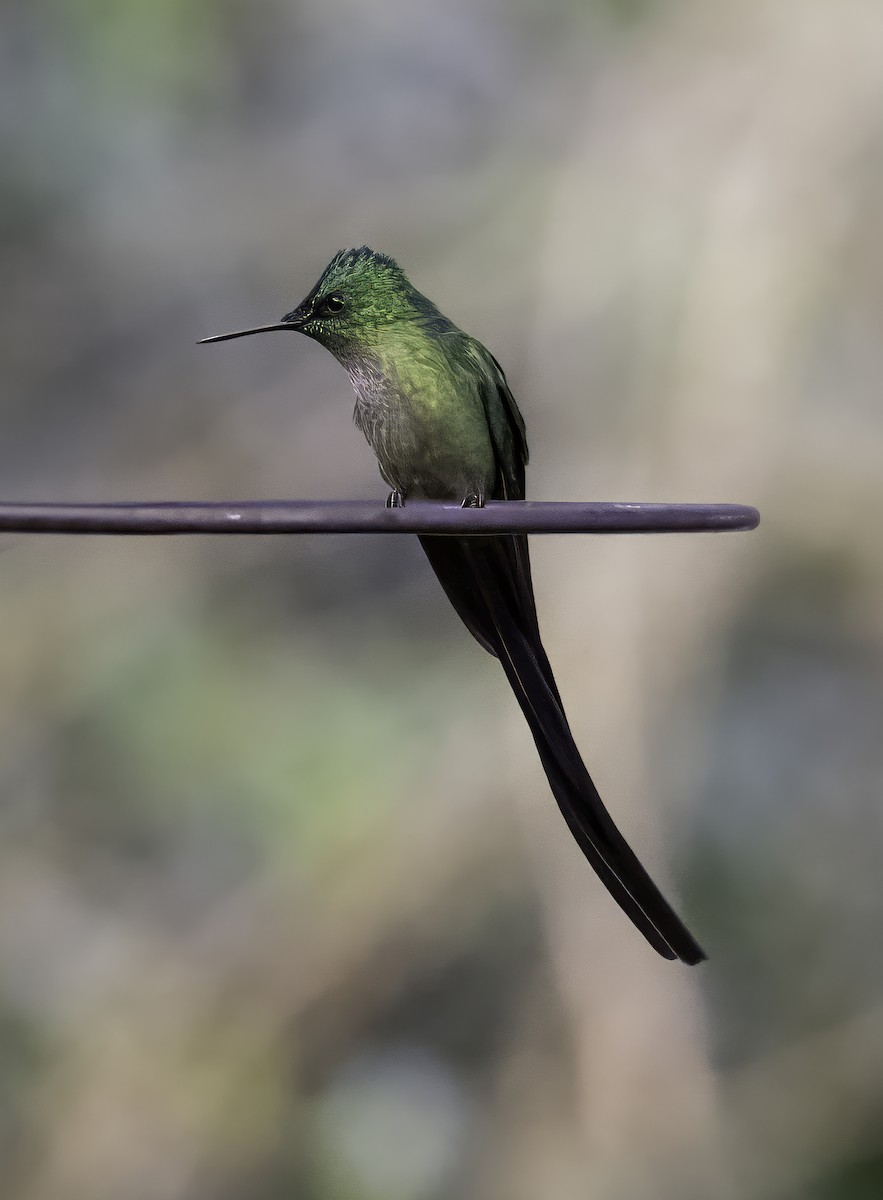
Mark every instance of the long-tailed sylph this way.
pixel 435 406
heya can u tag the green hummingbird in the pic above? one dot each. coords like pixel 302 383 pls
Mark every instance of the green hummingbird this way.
pixel 437 411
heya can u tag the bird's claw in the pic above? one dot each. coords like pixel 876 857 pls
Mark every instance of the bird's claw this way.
pixel 473 500
pixel 395 499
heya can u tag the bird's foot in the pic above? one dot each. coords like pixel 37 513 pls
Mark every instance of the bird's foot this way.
pixel 395 499
pixel 473 500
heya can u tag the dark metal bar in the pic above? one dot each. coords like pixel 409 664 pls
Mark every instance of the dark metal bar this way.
pixel 366 516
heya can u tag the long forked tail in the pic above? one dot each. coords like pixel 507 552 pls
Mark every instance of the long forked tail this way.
pixel 488 582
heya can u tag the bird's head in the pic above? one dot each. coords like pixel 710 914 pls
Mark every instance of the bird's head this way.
pixel 359 295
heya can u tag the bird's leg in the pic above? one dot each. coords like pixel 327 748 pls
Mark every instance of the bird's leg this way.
pixel 473 500
pixel 395 499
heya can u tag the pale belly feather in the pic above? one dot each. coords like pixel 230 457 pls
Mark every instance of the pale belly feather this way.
pixel 439 450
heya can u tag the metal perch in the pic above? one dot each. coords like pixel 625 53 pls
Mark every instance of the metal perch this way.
pixel 366 516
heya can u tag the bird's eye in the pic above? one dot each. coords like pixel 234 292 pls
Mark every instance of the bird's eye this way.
pixel 333 303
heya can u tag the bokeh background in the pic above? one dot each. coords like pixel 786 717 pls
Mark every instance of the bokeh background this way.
pixel 286 908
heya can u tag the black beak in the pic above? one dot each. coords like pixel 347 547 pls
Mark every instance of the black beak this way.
pixel 292 320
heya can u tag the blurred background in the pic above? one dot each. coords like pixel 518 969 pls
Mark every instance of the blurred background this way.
pixel 286 907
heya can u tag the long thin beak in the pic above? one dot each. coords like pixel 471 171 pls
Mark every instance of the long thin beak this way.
pixel 225 337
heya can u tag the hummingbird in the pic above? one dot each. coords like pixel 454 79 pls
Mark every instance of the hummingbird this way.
pixel 435 407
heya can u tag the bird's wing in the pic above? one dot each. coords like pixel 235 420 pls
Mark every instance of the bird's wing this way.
pixel 505 422
pixel 509 440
